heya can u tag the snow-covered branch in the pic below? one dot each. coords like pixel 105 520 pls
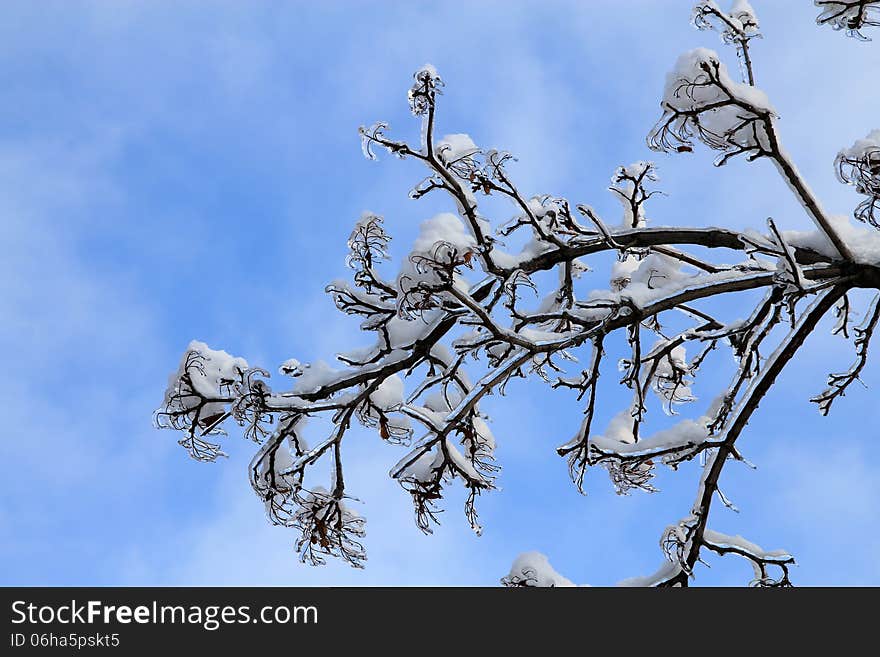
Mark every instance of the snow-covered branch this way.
pixel 849 15
pixel 859 166
pixel 482 302
pixel 738 26
pixel 702 102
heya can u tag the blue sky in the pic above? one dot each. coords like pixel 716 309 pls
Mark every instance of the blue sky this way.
pixel 171 171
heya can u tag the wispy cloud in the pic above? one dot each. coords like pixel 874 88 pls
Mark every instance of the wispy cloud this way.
pixel 199 178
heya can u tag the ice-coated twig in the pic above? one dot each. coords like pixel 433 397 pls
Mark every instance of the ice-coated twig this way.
pixel 838 383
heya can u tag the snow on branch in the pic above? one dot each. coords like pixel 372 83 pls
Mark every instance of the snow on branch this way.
pixel 859 166
pixel 702 101
pixel 481 303
pixel 760 559
pixel 738 27
pixel 534 569
pixel 849 15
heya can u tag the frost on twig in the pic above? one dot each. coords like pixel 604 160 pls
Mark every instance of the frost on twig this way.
pixel 554 293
